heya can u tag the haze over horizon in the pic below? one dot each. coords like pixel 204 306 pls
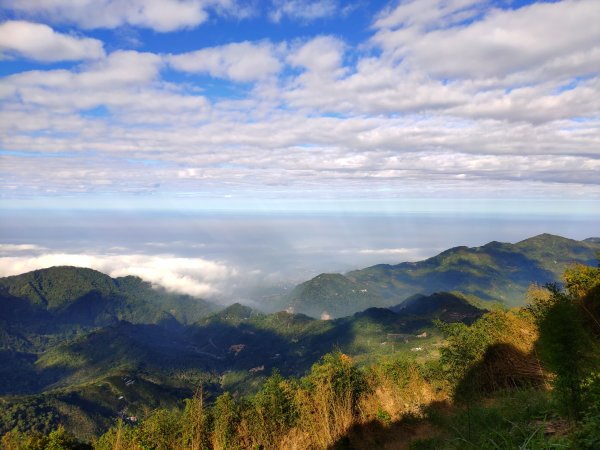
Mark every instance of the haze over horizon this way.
pixel 209 145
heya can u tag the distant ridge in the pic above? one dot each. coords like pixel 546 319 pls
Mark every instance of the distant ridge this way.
pixel 496 271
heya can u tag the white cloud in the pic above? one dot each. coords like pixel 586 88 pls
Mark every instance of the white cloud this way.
pixel 503 42
pixel 429 13
pixel 461 58
pixel 358 156
pixel 194 276
pixel 158 15
pixel 535 104
pixel 40 42
pixel 18 248
pixel 322 54
pixel 118 69
pixel 240 61
pixel 126 82
pixel 387 251
pixel 303 10
pixel 341 120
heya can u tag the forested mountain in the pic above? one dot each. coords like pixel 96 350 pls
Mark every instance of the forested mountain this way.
pixel 83 347
pixel 60 295
pixel 67 326
pixel 80 348
pixel 499 272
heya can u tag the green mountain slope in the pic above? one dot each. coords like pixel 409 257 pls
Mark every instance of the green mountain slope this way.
pixel 40 308
pixel 86 368
pixel 87 296
pixel 493 272
pixel 331 291
pixel 443 305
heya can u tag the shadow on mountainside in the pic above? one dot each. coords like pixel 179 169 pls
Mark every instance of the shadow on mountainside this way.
pixel 502 369
pixel 397 435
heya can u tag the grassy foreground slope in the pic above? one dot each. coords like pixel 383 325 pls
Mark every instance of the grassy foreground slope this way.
pixel 496 271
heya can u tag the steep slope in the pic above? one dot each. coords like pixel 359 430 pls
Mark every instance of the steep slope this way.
pixel 330 293
pixel 442 305
pixel 66 325
pixel 493 272
pixel 123 368
pixel 59 302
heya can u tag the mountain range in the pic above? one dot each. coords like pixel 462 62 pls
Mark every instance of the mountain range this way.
pixel 81 348
pixel 495 272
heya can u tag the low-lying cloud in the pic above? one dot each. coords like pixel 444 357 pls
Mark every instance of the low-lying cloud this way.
pixel 388 251
pixel 194 276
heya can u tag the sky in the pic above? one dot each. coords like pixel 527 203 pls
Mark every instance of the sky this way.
pixel 460 107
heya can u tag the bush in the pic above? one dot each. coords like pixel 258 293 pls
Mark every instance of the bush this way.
pixel 58 439
pixel 327 400
pixel 496 352
pixel 272 411
pixel 195 423
pixel 226 418
pixel 566 344
pixel 588 437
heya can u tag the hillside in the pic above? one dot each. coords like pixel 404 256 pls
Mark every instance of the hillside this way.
pixel 81 347
pixel 86 348
pixel 81 295
pixel 331 290
pixel 497 271
pixel 522 378
pixel 40 308
pixel 443 305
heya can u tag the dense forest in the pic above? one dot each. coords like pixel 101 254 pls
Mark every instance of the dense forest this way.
pixel 527 377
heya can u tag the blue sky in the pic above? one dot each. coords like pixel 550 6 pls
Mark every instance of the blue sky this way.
pixel 300 105
pixel 402 127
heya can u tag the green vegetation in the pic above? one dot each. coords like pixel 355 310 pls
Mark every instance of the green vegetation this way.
pixel 495 272
pixel 333 293
pixel 489 389
pixel 433 372
pixel 88 375
pixel 48 299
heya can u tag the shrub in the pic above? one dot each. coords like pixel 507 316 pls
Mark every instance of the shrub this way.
pixel 588 437
pixel 272 411
pixel 226 418
pixel 328 399
pixel 495 352
pixel 195 423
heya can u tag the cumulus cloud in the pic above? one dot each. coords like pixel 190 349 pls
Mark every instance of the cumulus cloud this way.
pixel 322 55
pixel 240 61
pixel 302 10
pixel 159 15
pixel 125 82
pixel 194 276
pixel 441 101
pixel 438 37
pixel 119 68
pixel 40 42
